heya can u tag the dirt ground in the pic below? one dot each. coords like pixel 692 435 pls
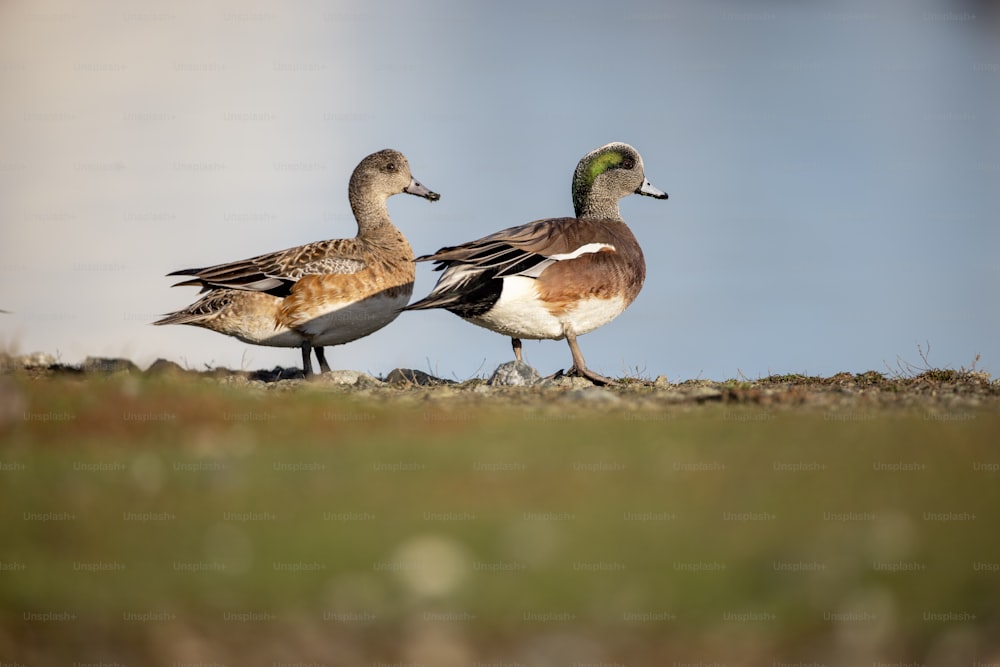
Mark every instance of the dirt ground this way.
pixel 942 394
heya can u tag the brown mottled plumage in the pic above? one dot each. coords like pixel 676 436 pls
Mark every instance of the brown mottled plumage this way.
pixel 323 293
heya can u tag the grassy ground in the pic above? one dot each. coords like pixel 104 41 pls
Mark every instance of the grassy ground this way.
pixel 179 521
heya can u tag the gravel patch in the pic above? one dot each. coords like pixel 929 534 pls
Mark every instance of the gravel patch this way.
pixel 939 393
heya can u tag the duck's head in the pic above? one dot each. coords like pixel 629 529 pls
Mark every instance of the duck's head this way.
pixel 384 174
pixel 607 174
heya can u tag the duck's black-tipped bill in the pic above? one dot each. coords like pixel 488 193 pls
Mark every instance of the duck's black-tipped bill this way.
pixel 414 188
pixel 648 190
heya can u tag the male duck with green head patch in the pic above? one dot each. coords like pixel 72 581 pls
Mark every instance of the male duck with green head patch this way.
pixel 554 278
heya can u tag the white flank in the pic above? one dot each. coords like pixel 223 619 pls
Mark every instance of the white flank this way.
pixel 590 314
pixel 519 313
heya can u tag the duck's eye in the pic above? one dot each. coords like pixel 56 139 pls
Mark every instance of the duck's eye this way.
pixel 628 163
pixel 391 166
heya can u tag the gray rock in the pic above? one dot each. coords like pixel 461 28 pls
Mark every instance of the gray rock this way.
pixel 165 367
pixel 366 381
pixel 338 377
pixel 412 376
pixel 515 374
pixel 33 360
pixel 108 365
pixel 344 377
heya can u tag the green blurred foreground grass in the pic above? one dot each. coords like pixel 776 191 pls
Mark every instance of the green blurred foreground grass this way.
pixel 182 523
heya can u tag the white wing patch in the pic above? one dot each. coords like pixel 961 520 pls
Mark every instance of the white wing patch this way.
pixel 582 250
pixel 585 249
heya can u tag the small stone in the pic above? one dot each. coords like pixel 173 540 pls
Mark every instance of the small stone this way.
pixel 34 360
pixel 108 365
pixel 580 383
pixel 412 376
pixel 515 374
pixel 338 377
pixel 366 381
pixel 165 367
pixel 346 378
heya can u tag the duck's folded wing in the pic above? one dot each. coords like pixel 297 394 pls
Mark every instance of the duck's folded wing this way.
pixel 513 250
pixel 276 272
pixel 526 250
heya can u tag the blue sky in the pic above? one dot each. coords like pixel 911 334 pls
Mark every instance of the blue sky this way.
pixel 834 172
